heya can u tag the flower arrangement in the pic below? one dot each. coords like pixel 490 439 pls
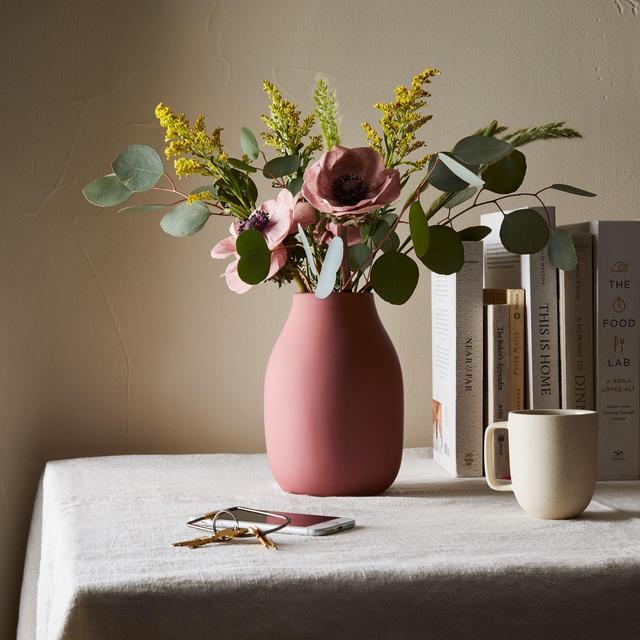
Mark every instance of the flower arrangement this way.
pixel 333 223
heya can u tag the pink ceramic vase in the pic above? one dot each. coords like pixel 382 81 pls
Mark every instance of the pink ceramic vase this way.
pixel 333 399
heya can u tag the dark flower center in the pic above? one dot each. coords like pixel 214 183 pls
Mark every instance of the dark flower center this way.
pixel 349 189
pixel 259 220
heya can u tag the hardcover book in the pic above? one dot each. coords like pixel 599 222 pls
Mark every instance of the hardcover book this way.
pixel 617 345
pixel 576 328
pixel 539 278
pixel 496 379
pixel 456 325
pixel 515 299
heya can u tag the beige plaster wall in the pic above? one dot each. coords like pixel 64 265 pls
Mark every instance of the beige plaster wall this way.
pixel 116 338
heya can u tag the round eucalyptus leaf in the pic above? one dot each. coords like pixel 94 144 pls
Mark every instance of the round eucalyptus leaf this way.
pixel 524 231
pixel 419 229
pixel 295 185
pixel 143 208
pixel 241 165
pixel 562 250
pixel 211 188
pixel 460 197
pixel 248 143
pixel 382 236
pixel 389 218
pixel 470 177
pixel 359 256
pixel 443 179
pixel 475 233
pixel 255 256
pixel 480 149
pixel 107 191
pixel 445 254
pixel 282 166
pixel 567 188
pixel 185 219
pixel 394 277
pixel 506 175
pixel 138 167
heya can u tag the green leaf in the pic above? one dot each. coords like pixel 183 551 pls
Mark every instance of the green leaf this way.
pixel 241 165
pixel 143 208
pixel 207 187
pixel 474 233
pixel 443 179
pixel 255 257
pixel 524 231
pixel 460 197
pixel 470 177
pixel 389 218
pixel 394 277
pixel 295 185
pixel 419 229
pixel 248 143
pixel 359 256
pixel 382 234
pixel 506 175
pixel 282 166
pixel 480 149
pixel 562 250
pixel 567 188
pixel 445 254
pixel 185 219
pixel 138 167
pixel 107 191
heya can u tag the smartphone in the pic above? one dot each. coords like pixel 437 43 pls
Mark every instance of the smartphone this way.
pixel 302 524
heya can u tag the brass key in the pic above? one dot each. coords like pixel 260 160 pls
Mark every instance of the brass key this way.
pixel 224 535
pixel 264 541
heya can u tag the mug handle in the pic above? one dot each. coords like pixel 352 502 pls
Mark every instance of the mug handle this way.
pixel 489 464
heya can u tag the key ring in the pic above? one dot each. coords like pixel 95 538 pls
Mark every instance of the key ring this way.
pixel 218 514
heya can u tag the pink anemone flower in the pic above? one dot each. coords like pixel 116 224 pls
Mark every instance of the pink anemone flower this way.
pixel 274 219
pixel 350 181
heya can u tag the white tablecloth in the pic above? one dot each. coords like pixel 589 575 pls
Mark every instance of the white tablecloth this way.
pixel 432 558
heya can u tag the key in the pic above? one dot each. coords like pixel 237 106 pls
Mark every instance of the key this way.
pixel 224 535
pixel 264 541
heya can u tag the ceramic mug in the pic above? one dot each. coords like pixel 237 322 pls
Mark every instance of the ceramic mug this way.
pixel 553 457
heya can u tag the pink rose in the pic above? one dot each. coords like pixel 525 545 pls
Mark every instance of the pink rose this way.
pixel 350 181
pixel 275 220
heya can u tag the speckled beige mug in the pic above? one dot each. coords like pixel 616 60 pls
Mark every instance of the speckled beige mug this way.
pixel 553 457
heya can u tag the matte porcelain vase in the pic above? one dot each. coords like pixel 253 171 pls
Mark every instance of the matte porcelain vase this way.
pixel 333 399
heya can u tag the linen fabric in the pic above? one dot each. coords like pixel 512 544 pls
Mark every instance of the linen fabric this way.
pixel 434 557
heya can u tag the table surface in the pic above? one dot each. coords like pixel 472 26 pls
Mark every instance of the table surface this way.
pixel 433 553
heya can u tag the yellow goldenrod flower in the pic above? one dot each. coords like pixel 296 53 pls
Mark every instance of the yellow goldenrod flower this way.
pixel 401 119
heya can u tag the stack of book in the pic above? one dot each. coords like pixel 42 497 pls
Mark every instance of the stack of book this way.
pixel 512 332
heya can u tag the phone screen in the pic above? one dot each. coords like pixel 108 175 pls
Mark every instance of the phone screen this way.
pixel 297 519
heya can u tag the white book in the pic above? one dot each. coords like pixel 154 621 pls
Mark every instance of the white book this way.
pixel 456 326
pixel 576 328
pixel 617 345
pixel 539 278
pixel 496 379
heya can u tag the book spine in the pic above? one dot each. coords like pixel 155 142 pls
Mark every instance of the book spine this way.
pixel 497 379
pixel 456 324
pixel 539 280
pixel 516 302
pixel 497 366
pixel 469 365
pixel 617 340
pixel 576 328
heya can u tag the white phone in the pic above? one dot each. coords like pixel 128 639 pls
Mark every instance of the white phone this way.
pixel 302 524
